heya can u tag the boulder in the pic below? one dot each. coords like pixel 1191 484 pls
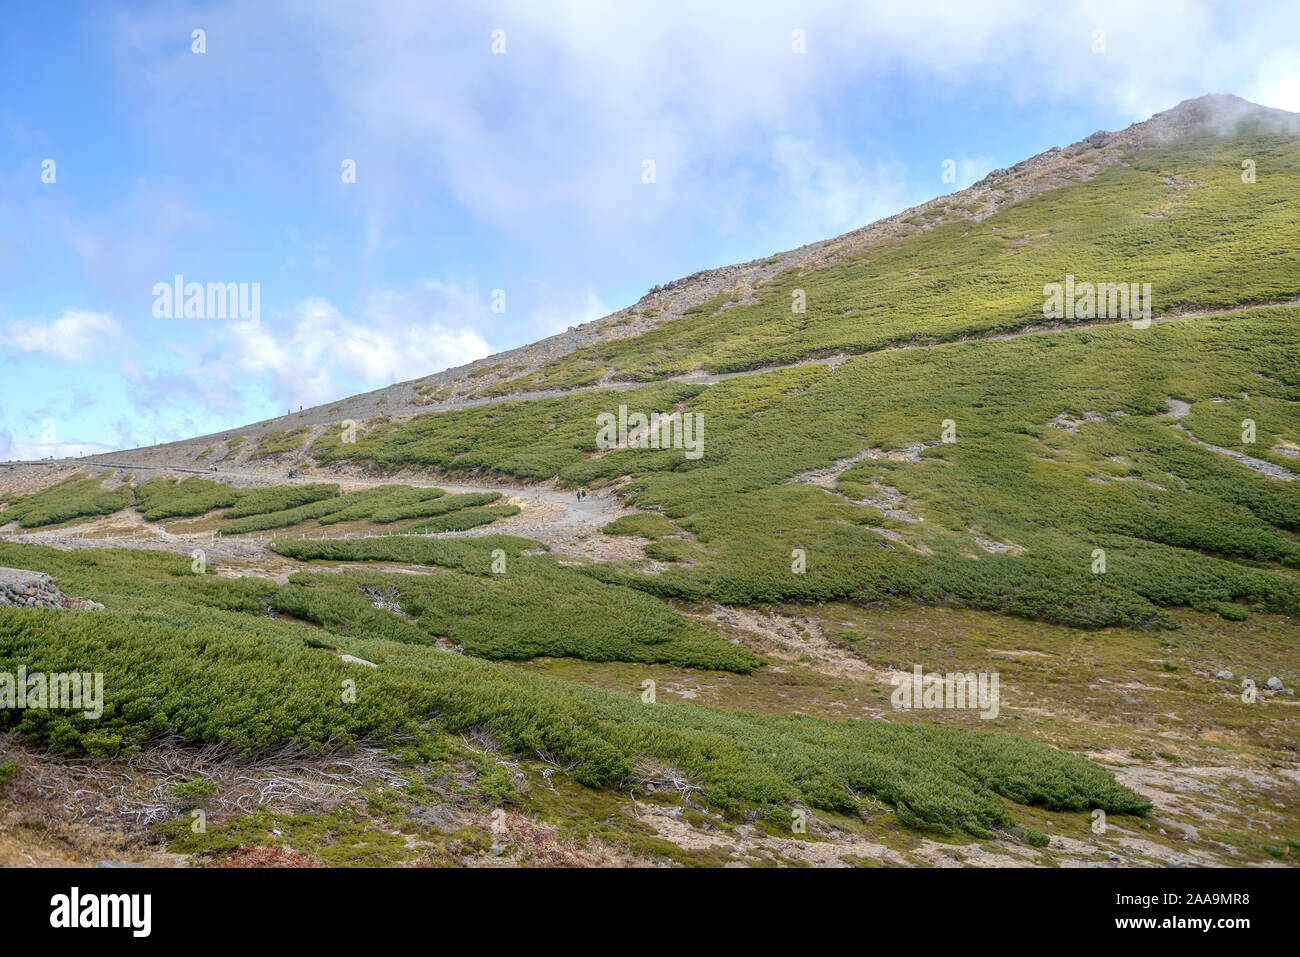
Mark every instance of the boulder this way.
pixel 24 588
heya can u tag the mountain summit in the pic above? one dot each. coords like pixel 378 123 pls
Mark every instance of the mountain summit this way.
pixel 543 367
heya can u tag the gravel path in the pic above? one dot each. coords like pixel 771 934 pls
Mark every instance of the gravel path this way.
pixel 553 516
pixel 593 509
pixel 401 401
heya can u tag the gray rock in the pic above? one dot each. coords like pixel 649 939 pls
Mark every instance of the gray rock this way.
pixel 24 588
pixel 1273 684
pixel 1224 675
pixel 354 660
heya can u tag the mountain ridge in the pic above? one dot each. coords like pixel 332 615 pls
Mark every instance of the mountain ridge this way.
pixel 489 378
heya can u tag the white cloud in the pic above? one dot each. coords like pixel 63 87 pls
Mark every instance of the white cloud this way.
pixel 560 123
pixel 573 311
pixel 830 194
pixel 1279 85
pixel 314 353
pixel 26 450
pixel 76 336
pixel 971 170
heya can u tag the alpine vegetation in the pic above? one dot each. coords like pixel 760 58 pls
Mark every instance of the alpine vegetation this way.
pixel 67 691
pixel 974 690
pixel 1103 300
pixel 658 430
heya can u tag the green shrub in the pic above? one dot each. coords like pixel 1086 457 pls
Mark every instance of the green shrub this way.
pixel 201 787
pixel 363 505
pixel 80 496
pixel 669 550
pixel 163 498
pixel 1035 838
pixel 319 510
pixel 434 505
pixel 278 498
pixel 274 443
pixel 468 555
pixel 463 520
pixel 646 524
pixel 527 606
pixel 175 665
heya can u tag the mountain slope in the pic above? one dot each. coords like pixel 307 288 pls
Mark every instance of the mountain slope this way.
pixel 1166 188
pixel 920 469
pixel 954 445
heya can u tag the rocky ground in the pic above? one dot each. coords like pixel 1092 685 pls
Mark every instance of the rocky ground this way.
pixel 28 589
pixel 549 514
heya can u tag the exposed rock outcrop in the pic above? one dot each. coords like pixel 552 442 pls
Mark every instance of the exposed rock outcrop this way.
pixel 24 588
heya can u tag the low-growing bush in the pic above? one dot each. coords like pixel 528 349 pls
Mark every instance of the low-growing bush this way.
pixel 163 498
pixel 80 496
pixel 175 666
pixel 431 506
pixel 274 443
pixel 277 498
pixel 463 520
pixel 363 505
pixel 646 524
pixel 504 604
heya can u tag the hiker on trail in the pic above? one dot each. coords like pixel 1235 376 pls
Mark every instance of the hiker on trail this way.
pixel 578 495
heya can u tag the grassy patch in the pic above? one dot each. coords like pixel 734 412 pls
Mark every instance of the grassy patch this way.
pixel 276 443
pixel 80 496
pixel 162 498
pixel 646 524
pixel 175 661
pixel 261 501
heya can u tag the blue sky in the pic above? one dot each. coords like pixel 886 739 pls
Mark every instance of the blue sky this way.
pixel 476 171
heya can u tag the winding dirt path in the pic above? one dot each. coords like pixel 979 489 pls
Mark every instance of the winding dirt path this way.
pixel 838 359
pixel 554 516
pixel 365 405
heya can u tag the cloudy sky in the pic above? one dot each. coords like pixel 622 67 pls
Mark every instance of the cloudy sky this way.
pixel 496 146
